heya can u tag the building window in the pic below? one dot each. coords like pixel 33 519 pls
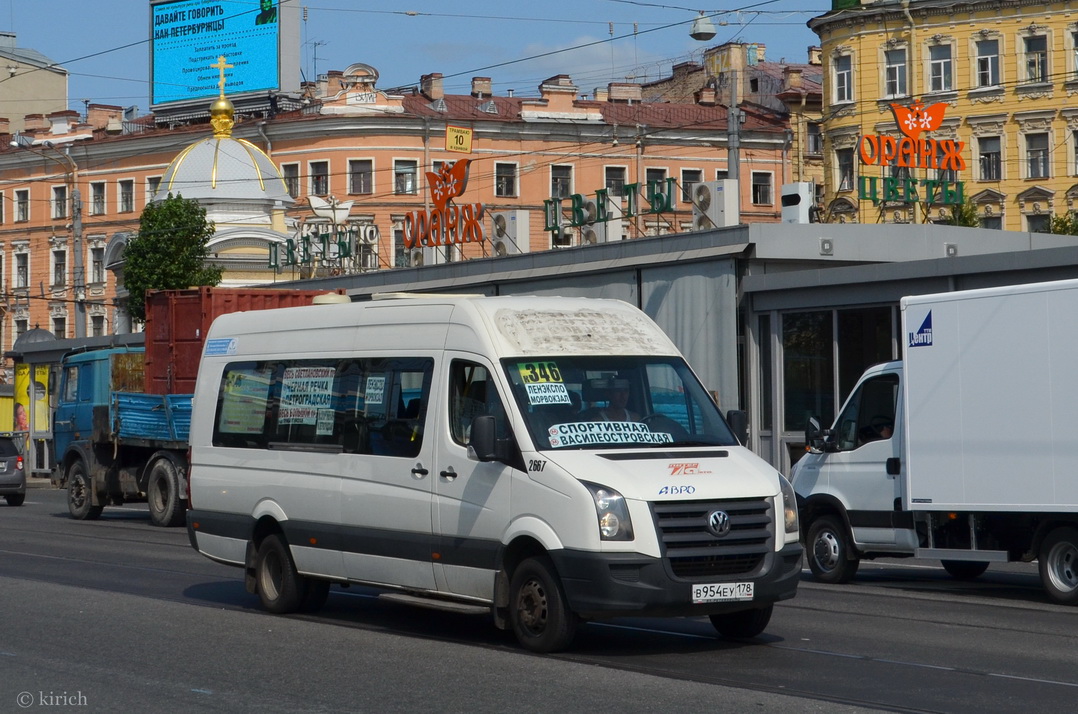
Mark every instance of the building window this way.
pixel 290 174
pixel 814 139
pixel 22 205
pixel 59 327
pixel 940 68
pixel 97 198
pixel 127 195
pixel 505 180
pixel 404 176
pixel 400 252
pixel 59 201
pixel 1037 155
pixel 843 78
pixel 895 73
pixel 153 185
pixel 990 157
pixel 22 270
pixel 614 180
pixel 59 268
pixel 689 179
pixel 97 325
pixel 949 175
pixel 561 181
pixel 361 176
pixel 1039 223
pixel 844 162
pixel 97 265
pixel 761 188
pixel 988 63
pixel 994 223
pixel 1074 53
pixel 319 178
pixel 1036 58
pixel 1 209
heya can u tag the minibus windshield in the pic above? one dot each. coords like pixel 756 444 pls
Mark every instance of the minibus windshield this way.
pixel 599 402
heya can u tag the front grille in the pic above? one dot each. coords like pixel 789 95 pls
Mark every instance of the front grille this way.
pixel 694 553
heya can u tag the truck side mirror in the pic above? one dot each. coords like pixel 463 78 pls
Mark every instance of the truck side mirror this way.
pixel 739 423
pixel 483 443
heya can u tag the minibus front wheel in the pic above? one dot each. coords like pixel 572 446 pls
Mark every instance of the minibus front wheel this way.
pixel 538 608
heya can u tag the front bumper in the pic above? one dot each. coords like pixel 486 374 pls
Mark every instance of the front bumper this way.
pixel 600 585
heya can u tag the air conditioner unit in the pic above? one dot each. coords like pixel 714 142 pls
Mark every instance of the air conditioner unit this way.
pixel 604 231
pixel 425 256
pixel 562 238
pixel 797 200
pixel 715 205
pixel 510 232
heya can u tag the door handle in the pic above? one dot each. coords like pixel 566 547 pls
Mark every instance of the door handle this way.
pixel 419 471
pixel 449 474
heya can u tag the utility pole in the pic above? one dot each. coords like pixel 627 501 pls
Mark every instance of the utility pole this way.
pixel 733 136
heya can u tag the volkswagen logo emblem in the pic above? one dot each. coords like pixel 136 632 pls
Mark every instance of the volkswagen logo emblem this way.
pixel 718 523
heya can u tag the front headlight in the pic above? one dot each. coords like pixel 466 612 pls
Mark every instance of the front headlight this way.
pixel 613 514
pixel 789 504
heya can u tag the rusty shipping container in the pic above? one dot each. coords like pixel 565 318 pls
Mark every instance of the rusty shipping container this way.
pixel 177 322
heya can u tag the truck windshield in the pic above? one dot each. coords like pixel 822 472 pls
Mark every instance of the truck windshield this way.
pixel 612 401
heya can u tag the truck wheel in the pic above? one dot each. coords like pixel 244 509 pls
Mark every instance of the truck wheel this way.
pixel 79 497
pixel 964 569
pixel 281 589
pixel 1059 565
pixel 744 623
pixel 163 493
pixel 15 499
pixel 538 608
pixel 831 558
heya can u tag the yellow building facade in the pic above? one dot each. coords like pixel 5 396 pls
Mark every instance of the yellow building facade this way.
pixel 930 104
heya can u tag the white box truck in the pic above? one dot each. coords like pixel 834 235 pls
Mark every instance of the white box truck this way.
pixel 544 460
pixel 964 451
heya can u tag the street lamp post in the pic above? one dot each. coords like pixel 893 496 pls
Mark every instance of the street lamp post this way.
pixel 71 173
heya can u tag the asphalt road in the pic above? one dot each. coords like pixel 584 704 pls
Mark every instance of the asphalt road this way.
pixel 117 614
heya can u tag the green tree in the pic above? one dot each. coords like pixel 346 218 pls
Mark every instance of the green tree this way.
pixel 169 252
pixel 1065 225
pixel 965 215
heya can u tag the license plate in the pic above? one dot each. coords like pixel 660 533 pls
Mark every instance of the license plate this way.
pixel 721 592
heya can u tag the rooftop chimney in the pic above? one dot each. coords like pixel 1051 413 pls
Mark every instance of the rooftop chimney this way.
pixel 431 86
pixel 815 56
pixel 481 87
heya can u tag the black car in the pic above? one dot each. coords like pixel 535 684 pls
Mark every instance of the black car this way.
pixel 12 473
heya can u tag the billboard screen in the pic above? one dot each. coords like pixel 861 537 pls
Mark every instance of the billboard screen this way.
pixel 190 35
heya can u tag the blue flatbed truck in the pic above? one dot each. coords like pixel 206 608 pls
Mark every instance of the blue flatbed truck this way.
pixel 115 443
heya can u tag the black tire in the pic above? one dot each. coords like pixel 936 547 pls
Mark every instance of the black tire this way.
pixel 964 569
pixel 538 609
pixel 743 624
pixel 15 499
pixel 79 497
pixel 167 507
pixel 831 557
pixel 281 589
pixel 1058 561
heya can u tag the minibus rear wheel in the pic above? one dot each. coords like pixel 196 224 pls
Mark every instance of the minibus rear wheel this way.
pixel 281 589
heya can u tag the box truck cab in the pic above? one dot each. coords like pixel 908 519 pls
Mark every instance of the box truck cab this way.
pixel 545 460
pixel 962 452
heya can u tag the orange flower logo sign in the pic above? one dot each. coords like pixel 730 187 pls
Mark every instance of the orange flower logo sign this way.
pixel 447 223
pixel 915 119
pixel 911 150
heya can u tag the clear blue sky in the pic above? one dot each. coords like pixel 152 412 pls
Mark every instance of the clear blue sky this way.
pixel 104 45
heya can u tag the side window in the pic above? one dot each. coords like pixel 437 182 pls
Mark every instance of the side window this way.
pixel 870 414
pixel 71 384
pixel 471 393
pixel 356 406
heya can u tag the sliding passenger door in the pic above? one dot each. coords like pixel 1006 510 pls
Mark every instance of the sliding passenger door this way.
pixel 386 523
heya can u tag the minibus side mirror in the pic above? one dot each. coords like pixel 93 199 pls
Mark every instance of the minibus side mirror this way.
pixel 483 444
pixel 739 422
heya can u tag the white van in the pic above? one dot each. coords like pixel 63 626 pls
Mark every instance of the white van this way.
pixel 546 460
